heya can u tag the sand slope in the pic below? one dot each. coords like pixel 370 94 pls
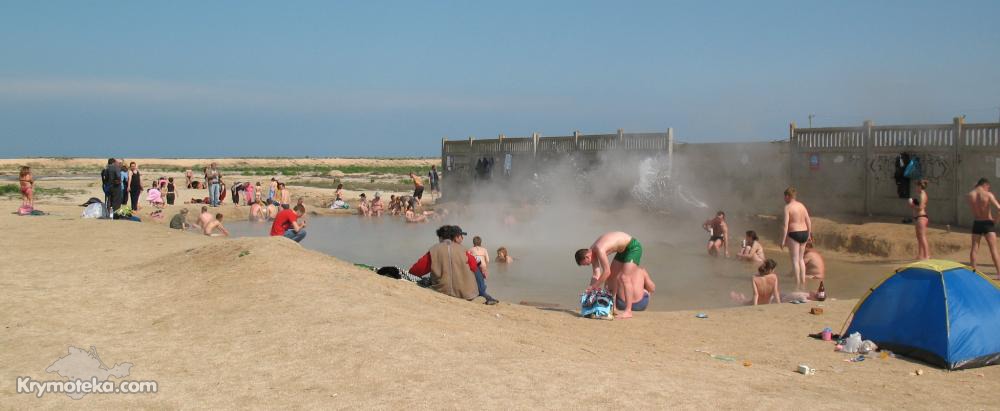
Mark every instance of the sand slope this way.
pixel 284 327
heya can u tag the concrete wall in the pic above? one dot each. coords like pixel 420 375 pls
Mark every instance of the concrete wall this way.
pixel 735 177
pixel 850 170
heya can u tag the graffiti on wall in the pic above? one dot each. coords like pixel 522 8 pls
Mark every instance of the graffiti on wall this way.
pixel 933 167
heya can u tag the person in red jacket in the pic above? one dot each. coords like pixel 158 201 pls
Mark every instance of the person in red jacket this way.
pixel 454 271
pixel 287 223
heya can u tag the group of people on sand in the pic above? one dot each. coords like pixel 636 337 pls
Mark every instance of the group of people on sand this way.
pixel 410 207
pixel 123 185
pixel 207 223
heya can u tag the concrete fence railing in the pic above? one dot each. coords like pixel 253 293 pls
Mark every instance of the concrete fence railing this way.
pixel 852 170
pixel 526 155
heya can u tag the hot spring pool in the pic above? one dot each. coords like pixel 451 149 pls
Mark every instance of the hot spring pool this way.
pixel 544 270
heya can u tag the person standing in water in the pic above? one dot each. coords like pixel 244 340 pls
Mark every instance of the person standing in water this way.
pixel 719 234
pixel 982 202
pixel 797 231
pixel 921 220
pixel 628 255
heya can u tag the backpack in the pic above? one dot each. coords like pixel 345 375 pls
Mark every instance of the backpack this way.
pixel 596 304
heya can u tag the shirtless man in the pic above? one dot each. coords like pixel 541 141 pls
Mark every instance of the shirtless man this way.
pixel 418 188
pixel 481 254
pixel 719 230
pixel 982 201
pixel 815 267
pixel 204 218
pixel 628 253
pixel 641 287
pixel 797 231
pixel 216 223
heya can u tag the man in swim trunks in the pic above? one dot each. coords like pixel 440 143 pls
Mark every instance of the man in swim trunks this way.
pixel 418 188
pixel 982 201
pixel 797 231
pixel 719 234
pixel 625 268
pixel 642 287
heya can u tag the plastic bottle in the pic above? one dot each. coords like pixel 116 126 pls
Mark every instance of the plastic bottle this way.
pixel 821 292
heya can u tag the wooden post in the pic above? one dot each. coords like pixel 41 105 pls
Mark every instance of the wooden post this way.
pixel 794 156
pixel 621 139
pixel 869 143
pixel 576 139
pixel 958 123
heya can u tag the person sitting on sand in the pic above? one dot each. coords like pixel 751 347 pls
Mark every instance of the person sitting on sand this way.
pixel 642 288
pixel 815 267
pixel 179 221
pixel 752 251
pixel 765 286
pixel 288 223
pixel 503 257
pixel 394 206
pixel 718 232
pixel 363 208
pixel 482 256
pixel 154 197
pixel 377 208
pixel 450 265
pixel 27 183
pixel 215 224
pixel 628 253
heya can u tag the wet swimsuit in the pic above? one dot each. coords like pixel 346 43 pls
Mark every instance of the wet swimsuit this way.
pixel 981 227
pixel 923 216
pixel 799 236
pixel 715 238
pixel 631 254
pixel 636 305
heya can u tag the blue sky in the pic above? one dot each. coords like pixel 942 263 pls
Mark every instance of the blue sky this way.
pixel 382 78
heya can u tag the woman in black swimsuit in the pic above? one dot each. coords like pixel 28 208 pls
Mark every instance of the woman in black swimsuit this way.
pixel 920 220
pixel 134 185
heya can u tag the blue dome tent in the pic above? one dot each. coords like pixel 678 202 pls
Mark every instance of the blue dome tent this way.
pixel 937 311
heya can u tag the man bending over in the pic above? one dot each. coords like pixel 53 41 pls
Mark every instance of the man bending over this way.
pixel 628 253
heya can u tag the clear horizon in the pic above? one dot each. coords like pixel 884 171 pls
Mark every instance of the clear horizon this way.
pixel 390 79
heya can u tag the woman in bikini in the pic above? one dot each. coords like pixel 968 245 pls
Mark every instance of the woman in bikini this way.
pixel 27 187
pixel 765 286
pixel 920 220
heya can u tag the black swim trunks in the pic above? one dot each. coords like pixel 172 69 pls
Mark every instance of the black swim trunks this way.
pixel 419 192
pixel 799 236
pixel 715 238
pixel 981 227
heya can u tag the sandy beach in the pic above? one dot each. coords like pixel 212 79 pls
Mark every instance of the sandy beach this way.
pixel 265 323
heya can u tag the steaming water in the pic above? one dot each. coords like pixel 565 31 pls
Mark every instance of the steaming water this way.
pixel 544 270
